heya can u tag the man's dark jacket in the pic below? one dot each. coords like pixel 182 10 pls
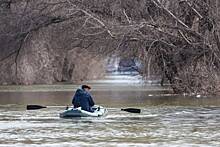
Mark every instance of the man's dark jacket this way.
pixel 83 99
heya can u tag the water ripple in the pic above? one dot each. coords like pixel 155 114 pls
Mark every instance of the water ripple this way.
pixel 155 126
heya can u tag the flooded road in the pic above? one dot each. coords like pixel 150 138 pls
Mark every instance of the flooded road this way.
pixel 165 120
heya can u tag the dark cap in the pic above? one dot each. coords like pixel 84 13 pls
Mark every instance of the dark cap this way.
pixel 86 86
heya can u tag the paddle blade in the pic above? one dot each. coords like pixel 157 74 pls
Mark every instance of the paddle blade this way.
pixel 132 110
pixel 35 107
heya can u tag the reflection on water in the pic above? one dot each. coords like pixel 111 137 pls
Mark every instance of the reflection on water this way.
pixel 165 120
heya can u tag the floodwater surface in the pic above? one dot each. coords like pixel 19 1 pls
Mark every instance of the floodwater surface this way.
pixel 165 120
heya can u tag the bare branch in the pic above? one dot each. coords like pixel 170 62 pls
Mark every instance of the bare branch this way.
pixel 158 4
pixel 129 21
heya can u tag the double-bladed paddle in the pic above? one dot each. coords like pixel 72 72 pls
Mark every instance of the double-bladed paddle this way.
pixel 131 110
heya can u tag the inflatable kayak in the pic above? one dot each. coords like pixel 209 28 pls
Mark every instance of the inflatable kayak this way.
pixel 78 112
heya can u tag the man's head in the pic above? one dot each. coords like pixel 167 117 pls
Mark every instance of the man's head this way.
pixel 86 87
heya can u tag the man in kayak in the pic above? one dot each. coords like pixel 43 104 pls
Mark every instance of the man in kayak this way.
pixel 83 98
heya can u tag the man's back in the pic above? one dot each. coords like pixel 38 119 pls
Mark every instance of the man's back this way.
pixel 83 99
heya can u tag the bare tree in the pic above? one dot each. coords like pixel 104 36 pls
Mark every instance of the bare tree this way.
pixel 181 37
pixel 177 39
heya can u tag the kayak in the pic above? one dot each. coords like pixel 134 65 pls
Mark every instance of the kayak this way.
pixel 78 112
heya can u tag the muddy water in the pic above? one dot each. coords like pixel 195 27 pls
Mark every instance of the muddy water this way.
pixel 165 120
